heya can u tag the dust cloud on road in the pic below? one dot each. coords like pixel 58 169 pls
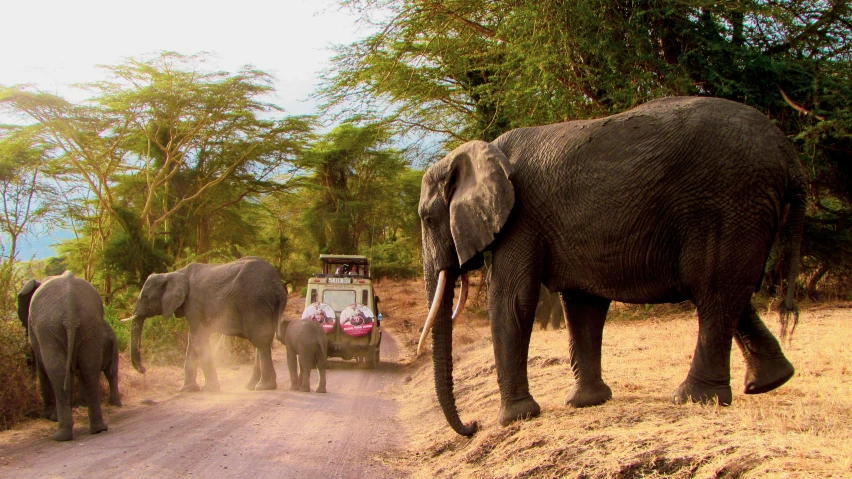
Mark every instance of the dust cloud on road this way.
pixel 237 433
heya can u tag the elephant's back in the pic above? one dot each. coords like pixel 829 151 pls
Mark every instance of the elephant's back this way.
pixel 65 301
pixel 624 197
pixel 243 298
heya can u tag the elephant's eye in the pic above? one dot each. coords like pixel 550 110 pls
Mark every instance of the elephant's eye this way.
pixel 428 221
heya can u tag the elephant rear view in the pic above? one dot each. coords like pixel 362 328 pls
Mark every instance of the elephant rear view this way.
pixel 244 298
pixel 678 199
pixel 64 317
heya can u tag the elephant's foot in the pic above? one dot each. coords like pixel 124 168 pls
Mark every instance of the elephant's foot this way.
pixel 211 387
pixel 321 389
pixel 695 391
pixel 305 389
pixel 50 414
pixel 294 387
pixel 63 435
pixel 511 411
pixel 766 375
pixel 190 388
pixel 585 395
pixel 266 385
pixel 114 402
pixel 97 427
pixel 251 384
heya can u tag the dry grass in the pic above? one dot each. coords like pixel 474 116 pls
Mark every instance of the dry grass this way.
pixel 804 429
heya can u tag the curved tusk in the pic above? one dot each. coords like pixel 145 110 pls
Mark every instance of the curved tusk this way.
pixel 465 284
pixel 437 299
pixel 129 319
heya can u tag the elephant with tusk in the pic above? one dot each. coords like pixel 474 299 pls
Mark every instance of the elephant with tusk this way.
pixel 678 199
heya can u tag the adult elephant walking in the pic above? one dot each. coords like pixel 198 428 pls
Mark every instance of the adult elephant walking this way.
pixel 244 298
pixel 64 317
pixel 678 199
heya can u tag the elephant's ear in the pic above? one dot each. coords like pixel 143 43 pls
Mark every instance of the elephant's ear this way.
pixel 480 196
pixel 25 295
pixel 174 293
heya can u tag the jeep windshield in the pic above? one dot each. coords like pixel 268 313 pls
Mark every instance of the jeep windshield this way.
pixel 338 299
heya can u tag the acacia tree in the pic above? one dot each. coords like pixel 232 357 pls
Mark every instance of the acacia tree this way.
pixel 24 165
pixel 170 146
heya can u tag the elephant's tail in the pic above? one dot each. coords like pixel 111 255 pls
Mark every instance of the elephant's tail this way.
pixel 71 334
pixel 798 203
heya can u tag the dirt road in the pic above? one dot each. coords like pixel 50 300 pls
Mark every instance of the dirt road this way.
pixel 236 433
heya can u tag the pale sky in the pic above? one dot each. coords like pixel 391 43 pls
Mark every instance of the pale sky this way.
pixel 54 43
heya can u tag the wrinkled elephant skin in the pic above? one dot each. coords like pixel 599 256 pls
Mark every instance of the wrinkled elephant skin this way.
pixel 678 199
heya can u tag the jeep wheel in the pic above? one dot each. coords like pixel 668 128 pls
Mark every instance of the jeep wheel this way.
pixel 372 359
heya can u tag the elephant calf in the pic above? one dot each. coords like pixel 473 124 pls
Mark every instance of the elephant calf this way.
pixel 306 339
pixel 64 318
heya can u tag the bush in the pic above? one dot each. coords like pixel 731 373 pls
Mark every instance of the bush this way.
pixel 19 395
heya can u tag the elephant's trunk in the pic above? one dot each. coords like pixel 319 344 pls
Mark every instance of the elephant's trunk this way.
pixel 442 351
pixel 135 340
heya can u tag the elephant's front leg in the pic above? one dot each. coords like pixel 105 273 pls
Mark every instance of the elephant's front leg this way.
pixel 268 379
pixel 586 315
pixel 201 343
pixel 112 378
pixel 255 372
pixel 190 368
pixel 511 309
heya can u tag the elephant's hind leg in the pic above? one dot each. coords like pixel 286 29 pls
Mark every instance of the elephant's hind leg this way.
pixel 305 366
pixel 320 363
pixel 709 377
pixel 766 366
pixel 586 315
pixel 65 427
pixel 268 379
pixel 90 384
pixel 190 369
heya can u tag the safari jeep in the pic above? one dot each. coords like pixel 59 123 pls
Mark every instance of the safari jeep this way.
pixel 341 298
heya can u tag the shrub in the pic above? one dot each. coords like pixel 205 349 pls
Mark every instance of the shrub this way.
pixel 19 395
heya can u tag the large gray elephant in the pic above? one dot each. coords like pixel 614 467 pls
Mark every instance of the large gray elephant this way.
pixel 549 309
pixel 678 199
pixel 305 340
pixel 244 298
pixel 64 317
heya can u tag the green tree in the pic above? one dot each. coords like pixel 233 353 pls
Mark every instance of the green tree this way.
pixel 352 172
pixel 464 70
pixel 24 165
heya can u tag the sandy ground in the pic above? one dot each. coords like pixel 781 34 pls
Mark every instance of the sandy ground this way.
pixel 346 433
